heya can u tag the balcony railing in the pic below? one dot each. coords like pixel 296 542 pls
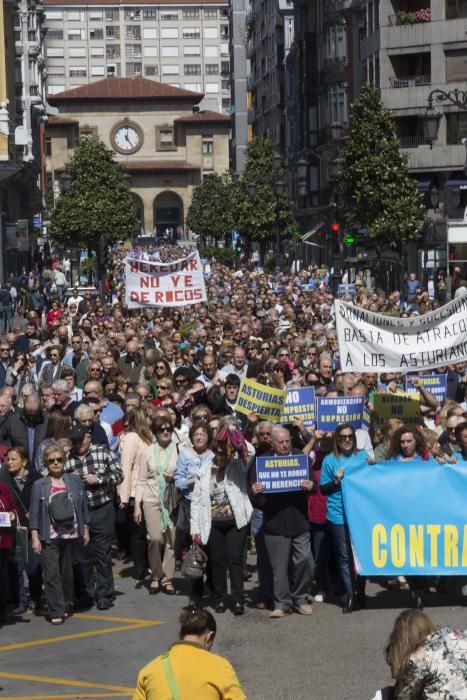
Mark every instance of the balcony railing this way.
pixel 413 141
pixel 335 64
pixel 410 81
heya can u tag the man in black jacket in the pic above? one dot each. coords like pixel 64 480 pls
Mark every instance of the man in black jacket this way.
pixel 287 536
pixel 5 361
pixel 25 427
pixel 22 341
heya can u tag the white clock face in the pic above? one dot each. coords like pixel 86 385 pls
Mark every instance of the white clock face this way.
pixel 127 138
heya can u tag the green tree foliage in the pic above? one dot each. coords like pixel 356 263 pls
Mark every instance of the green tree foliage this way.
pixel 206 217
pixel 375 188
pixel 98 205
pixel 255 217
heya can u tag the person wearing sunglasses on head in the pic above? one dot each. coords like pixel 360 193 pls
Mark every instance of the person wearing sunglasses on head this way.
pixel 155 495
pixel 58 517
pixel 344 456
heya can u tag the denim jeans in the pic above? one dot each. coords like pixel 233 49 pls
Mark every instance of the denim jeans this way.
pixel 320 548
pixel 341 537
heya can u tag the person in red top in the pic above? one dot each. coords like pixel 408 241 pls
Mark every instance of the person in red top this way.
pixel 7 512
pixel 53 315
pixel 319 531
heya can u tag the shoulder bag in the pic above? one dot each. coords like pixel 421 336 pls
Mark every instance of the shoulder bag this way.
pixel 169 676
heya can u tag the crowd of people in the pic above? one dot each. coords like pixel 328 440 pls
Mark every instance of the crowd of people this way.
pixel 119 436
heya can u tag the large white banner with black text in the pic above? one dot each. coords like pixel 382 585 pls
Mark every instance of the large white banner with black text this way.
pixel 371 342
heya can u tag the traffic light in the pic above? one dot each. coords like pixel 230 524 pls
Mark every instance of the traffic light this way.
pixel 238 247
pixel 349 239
pixel 335 229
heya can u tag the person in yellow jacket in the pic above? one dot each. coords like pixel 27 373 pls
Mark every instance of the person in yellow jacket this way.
pixel 188 670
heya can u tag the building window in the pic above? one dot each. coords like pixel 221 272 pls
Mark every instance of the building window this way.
pixel 224 31
pixel 192 13
pixel 191 33
pixel 48 146
pixel 51 53
pixel 150 70
pixel 95 15
pixel 167 33
pixel 208 145
pixel 97 52
pixel 191 69
pixel 212 87
pixel 170 70
pixel 55 89
pixel 52 15
pixel 212 68
pixel 149 33
pixel 210 33
pixel 192 51
pixel 210 13
pixel 77 53
pixel 149 13
pixel 133 51
pixel 112 51
pixel 98 70
pixel 456 127
pixel 335 43
pixel 96 34
pixel 225 67
pixel 55 34
pixel 77 72
pixel 456 66
pixel 76 35
pixel 456 9
pixel 133 32
pixel 224 49
pixel 224 13
pixel 193 87
pixel 170 51
pixel 133 69
pixel 75 16
pixel 112 33
pixel 165 138
pixel 226 104
pixel 225 84
pixel 211 51
pixel 110 15
pixel 133 13
pixel 171 16
pixel 113 69
pixel 207 173
pixel 150 51
pixel 337 103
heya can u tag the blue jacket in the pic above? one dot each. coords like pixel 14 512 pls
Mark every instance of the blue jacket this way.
pixel 39 518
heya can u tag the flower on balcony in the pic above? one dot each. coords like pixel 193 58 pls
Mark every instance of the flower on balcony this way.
pixel 423 15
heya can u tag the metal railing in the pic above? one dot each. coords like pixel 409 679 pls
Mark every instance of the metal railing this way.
pixel 410 81
pixel 413 141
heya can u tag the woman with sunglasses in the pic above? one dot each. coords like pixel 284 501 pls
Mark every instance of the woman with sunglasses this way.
pixel 154 497
pixel 58 517
pixel 344 456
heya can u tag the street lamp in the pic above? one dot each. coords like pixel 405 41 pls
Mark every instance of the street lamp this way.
pixel 455 98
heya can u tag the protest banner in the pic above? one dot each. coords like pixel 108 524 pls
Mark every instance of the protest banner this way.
pixel 436 384
pixel 267 402
pixel 331 412
pixel 407 518
pixel 300 403
pixel 371 342
pixel 404 406
pixel 174 284
pixel 282 473
pixel 345 290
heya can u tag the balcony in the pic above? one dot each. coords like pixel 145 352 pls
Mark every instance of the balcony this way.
pixel 410 81
pixel 413 141
pixel 250 18
pixel 408 17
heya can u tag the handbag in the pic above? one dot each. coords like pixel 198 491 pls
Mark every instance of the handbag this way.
pixel 21 549
pixel 172 498
pixel 194 564
pixel 169 676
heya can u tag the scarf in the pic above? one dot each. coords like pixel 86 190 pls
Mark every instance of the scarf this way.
pixel 162 458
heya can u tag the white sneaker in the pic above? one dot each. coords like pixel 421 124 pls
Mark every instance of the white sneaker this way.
pixel 320 597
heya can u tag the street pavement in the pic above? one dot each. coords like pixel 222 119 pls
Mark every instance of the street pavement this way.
pixel 327 656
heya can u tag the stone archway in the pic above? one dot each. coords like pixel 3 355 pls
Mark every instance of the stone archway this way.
pixel 168 215
pixel 139 206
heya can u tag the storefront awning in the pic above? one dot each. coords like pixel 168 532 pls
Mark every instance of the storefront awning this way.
pixel 457 181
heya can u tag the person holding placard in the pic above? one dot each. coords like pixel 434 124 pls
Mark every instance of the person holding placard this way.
pixel 344 456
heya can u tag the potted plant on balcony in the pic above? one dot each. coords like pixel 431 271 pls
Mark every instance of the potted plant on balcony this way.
pixel 423 15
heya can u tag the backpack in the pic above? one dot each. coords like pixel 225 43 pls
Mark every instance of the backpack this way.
pixel 61 510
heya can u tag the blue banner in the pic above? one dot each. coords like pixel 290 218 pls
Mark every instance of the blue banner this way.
pixel 345 290
pixel 342 409
pixel 300 403
pixel 407 518
pixel 436 384
pixel 282 473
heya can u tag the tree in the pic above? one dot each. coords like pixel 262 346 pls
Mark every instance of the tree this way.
pixel 256 216
pixel 375 188
pixel 206 217
pixel 98 205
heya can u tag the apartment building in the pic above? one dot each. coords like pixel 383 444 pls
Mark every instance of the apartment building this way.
pixel 239 69
pixel 184 44
pixel 269 36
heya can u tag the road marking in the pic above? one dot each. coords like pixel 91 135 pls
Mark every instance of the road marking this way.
pixel 51 680
pixel 132 620
pixel 79 635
